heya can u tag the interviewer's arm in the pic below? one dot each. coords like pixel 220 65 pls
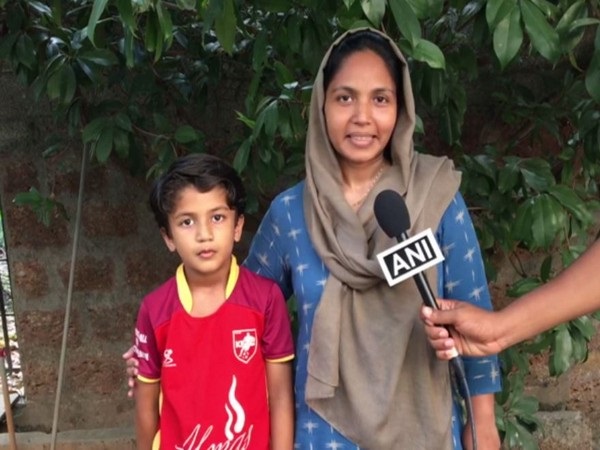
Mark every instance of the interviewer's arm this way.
pixel 573 293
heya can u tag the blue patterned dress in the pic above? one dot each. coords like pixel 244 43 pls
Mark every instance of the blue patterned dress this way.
pixel 282 251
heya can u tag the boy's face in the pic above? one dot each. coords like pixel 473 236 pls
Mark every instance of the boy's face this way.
pixel 203 231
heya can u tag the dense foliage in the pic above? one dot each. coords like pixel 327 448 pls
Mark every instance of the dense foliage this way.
pixel 509 88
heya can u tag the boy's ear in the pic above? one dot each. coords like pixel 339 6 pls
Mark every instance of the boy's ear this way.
pixel 239 226
pixel 168 241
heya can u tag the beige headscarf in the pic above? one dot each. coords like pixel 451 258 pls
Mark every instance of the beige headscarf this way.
pixel 371 372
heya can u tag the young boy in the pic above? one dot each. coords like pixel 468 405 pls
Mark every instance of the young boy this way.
pixel 214 342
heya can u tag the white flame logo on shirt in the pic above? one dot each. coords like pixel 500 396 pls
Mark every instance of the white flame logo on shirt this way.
pixel 237 439
pixel 240 415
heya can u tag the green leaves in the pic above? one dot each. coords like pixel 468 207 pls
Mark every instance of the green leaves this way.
pixel 540 221
pixel 427 52
pixel 592 76
pixel 126 15
pixel 186 134
pixel 508 18
pixel 225 26
pixel 570 26
pixel 158 35
pixel 426 9
pixel 536 173
pixel 43 207
pixel 569 344
pixel 374 10
pixel 25 50
pixel 114 132
pixel 498 10
pixel 515 411
pixel 543 37
pixel 508 36
pixel 406 20
pixel 544 217
pixel 569 200
pixel 98 7
pixel 62 84
pixel 98 134
pixel 104 134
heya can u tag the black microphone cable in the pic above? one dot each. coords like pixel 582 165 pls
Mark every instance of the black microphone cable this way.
pixel 458 368
pixel 393 218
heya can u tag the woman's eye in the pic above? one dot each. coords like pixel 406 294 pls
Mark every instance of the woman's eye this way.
pixel 345 98
pixel 381 99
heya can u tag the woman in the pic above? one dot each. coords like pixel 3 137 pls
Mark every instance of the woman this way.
pixel 365 374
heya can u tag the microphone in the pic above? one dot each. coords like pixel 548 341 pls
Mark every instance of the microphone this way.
pixel 409 258
pixel 393 218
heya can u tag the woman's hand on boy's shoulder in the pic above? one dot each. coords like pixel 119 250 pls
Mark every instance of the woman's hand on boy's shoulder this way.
pixel 131 364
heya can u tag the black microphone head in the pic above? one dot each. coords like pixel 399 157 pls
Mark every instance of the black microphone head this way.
pixel 391 213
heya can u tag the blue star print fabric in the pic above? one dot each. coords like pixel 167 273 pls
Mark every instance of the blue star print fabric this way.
pixel 282 251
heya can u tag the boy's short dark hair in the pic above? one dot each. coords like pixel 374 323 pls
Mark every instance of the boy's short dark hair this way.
pixel 202 171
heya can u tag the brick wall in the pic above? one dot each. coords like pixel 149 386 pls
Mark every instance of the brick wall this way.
pixel 120 257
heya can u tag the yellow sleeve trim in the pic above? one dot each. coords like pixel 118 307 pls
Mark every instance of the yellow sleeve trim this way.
pixel 281 360
pixel 156 441
pixel 148 380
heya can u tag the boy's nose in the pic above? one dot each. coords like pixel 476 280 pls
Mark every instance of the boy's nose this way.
pixel 204 232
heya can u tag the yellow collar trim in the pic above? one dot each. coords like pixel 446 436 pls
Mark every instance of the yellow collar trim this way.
pixel 183 288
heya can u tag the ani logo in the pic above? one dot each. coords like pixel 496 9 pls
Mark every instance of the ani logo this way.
pixel 244 344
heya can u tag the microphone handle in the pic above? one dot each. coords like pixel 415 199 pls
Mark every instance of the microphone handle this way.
pixel 455 362
pixel 421 281
pixel 427 293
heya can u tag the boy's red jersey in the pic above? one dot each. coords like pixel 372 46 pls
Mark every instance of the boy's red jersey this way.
pixel 212 369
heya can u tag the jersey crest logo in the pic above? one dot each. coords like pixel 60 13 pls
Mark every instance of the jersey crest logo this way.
pixel 244 344
pixel 168 358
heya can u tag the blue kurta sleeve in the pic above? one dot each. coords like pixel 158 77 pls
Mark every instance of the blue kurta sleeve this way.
pixel 267 256
pixel 462 277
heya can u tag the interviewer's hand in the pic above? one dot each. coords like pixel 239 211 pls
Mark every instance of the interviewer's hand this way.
pixel 131 370
pixel 473 331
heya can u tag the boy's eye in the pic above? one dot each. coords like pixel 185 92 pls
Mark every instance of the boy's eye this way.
pixel 186 222
pixel 218 218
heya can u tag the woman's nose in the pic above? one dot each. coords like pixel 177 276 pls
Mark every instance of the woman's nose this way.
pixel 362 112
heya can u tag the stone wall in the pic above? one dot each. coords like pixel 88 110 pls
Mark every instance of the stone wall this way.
pixel 120 257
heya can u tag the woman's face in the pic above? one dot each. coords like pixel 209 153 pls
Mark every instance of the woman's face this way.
pixel 361 108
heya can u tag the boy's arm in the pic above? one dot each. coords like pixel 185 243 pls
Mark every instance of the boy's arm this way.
pixel 146 413
pixel 281 404
pixel 485 424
